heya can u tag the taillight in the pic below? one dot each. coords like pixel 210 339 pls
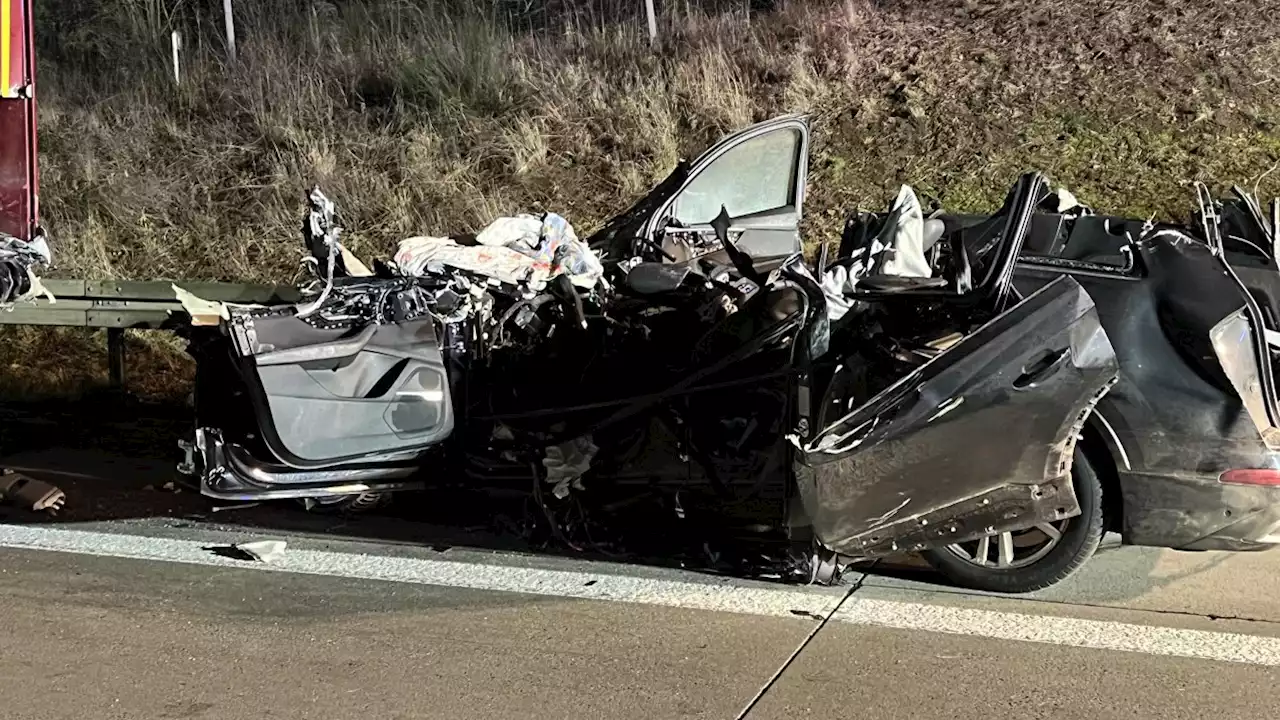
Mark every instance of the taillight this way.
pixel 1259 476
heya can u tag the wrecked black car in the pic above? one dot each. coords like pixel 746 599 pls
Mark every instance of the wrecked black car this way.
pixel 1181 452
pixel 686 373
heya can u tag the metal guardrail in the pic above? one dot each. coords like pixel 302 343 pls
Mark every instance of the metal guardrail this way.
pixel 121 305
pixel 127 304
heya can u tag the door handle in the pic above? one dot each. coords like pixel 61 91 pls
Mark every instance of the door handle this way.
pixel 1047 364
pixel 320 352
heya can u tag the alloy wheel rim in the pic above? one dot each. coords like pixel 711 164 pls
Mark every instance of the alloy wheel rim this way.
pixel 1012 550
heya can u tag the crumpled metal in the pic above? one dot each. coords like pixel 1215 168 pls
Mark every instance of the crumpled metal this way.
pixel 18 260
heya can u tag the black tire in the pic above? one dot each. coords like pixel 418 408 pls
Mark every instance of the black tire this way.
pixel 1078 543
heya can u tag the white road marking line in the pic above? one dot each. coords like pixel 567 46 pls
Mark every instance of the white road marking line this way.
pixel 781 601
pixel 1068 631
pixel 727 597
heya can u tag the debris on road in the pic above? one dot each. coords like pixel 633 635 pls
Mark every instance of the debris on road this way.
pixel 808 614
pixel 30 494
pixel 255 551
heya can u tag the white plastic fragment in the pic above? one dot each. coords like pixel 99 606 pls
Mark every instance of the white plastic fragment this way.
pixel 37 289
pixel 202 312
pixel 262 550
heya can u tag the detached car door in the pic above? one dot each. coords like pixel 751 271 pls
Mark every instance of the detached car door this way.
pixel 978 440
pixel 328 397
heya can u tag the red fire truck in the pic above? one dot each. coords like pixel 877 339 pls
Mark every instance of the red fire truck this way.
pixel 22 243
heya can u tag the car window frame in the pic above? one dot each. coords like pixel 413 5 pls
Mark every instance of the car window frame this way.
pixel 658 219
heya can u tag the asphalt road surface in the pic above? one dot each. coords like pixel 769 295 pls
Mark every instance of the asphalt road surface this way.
pixel 126 608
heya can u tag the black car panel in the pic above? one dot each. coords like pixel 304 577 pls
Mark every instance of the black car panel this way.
pixel 922 450
pixel 1175 423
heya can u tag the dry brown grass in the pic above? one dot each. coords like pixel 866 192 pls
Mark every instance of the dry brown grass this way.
pixel 421 118
pixel 71 363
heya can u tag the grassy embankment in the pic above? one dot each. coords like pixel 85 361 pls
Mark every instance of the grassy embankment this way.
pixel 420 118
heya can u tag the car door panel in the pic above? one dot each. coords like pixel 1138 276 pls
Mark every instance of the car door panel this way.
pixel 768 238
pixel 327 397
pixel 654 218
pixel 766 214
pixel 980 437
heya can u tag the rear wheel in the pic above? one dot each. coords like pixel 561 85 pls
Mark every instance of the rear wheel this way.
pixel 1035 558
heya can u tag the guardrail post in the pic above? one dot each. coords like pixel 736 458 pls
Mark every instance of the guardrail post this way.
pixel 115 357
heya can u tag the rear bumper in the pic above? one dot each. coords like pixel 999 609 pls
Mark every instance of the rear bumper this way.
pixel 1199 513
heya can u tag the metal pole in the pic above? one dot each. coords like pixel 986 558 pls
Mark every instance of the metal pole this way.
pixel 653 21
pixel 231 29
pixel 1275 227
pixel 176 42
pixel 115 357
